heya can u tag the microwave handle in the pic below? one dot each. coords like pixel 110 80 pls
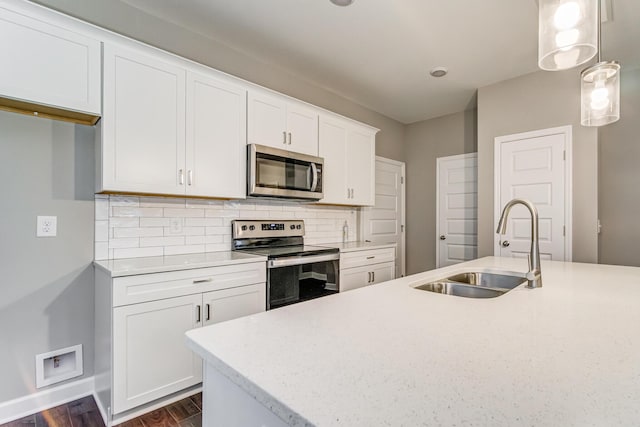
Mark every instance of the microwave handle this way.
pixel 314 171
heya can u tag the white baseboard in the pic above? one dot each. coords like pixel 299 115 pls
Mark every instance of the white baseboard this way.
pixel 45 399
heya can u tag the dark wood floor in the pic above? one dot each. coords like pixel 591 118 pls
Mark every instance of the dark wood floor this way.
pixel 84 413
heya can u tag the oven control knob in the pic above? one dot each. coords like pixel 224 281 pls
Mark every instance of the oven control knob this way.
pixel 252 227
pixel 292 227
pixel 298 226
pixel 244 228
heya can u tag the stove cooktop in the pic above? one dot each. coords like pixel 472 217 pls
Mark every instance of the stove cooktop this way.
pixel 290 251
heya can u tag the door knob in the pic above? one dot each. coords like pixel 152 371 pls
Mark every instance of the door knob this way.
pixel 506 243
pixel 443 237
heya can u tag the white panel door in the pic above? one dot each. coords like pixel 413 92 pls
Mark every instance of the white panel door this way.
pixel 150 358
pixel 361 153
pixel 216 138
pixel 332 148
pixel 384 222
pixel 457 209
pixel 232 303
pixel 533 168
pixel 144 123
pixel 302 128
pixel 46 64
pixel 266 120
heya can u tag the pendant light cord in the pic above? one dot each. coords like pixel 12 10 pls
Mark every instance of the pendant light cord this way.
pixel 599 14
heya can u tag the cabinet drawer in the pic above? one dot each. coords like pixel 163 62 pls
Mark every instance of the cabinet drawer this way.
pixel 150 287
pixel 367 257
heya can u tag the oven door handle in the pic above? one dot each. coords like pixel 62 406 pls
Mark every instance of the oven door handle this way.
pixel 314 172
pixel 299 260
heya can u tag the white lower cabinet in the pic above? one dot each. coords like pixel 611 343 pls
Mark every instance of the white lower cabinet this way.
pixel 141 321
pixel 149 359
pixel 366 267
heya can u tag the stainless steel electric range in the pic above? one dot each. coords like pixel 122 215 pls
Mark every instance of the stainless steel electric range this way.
pixel 295 272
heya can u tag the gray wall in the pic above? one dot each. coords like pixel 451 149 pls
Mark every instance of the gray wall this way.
pixel 537 101
pixel 424 142
pixel 124 19
pixel 46 284
pixel 619 180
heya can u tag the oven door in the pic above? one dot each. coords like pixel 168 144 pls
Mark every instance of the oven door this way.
pixel 297 279
pixel 280 173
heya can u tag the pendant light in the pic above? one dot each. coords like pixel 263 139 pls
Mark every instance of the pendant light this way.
pixel 567 33
pixel 600 90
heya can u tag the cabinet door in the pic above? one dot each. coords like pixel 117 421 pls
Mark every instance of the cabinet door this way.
pixel 361 166
pixel 232 303
pixel 302 128
pixel 354 278
pixel 150 358
pixel 332 147
pixel 46 64
pixel 383 272
pixel 216 137
pixel 143 141
pixel 266 120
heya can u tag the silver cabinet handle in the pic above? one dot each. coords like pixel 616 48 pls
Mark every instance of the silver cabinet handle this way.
pixel 181 176
pixel 284 137
pixel 348 193
pixel 198 313
pixel 208 311
pixel 371 257
pixel 289 138
pixel 195 282
pixel 373 273
pixel 189 177
pixel 369 279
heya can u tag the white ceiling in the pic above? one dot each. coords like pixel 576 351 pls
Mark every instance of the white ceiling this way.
pixel 378 53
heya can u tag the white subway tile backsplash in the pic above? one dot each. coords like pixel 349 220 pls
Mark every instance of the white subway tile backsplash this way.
pixel 184 212
pixel 138 232
pixel 203 222
pixel 187 249
pixel 138 226
pixel 125 211
pixel 155 222
pixel 161 241
pixel 124 243
pixel 137 252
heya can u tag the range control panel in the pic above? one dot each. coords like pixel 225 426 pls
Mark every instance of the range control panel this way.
pixel 243 229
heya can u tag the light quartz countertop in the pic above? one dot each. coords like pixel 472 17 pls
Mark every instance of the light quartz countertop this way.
pixel 159 264
pixel 358 246
pixel 389 355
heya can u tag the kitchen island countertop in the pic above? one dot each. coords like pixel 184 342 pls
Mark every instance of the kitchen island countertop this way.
pixel 564 354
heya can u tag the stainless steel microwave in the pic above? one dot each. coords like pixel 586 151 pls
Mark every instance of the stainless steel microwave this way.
pixel 279 173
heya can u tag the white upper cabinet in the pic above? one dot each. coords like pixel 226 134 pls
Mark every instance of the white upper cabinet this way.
pixel 279 122
pixel 48 69
pixel 170 129
pixel 348 150
pixel 143 140
pixel 216 151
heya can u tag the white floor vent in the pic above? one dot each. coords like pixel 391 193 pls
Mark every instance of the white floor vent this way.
pixel 58 365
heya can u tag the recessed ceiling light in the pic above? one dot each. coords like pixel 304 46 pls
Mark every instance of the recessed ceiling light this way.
pixel 438 71
pixel 341 2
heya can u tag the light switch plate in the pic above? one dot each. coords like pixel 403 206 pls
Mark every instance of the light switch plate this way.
pixel 47 226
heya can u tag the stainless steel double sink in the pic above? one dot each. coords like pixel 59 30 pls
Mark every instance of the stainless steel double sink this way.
pixel 474 284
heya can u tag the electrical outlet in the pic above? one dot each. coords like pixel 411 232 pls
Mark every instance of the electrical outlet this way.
pixel 175 225
pixel 47 226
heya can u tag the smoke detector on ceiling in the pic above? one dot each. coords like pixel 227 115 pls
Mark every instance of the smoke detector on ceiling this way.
pixel 438 72
pixel 342 2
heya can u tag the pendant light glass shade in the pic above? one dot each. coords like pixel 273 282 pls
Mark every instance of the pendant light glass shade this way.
pixel 600 94
pixel 567 33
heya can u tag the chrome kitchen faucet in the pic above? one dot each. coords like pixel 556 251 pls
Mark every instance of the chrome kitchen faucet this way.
pixel 534 275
